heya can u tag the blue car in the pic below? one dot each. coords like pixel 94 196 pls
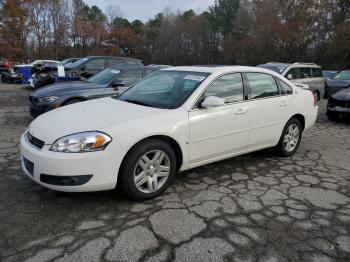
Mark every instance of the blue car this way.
pixel 339 82
pixel 329 74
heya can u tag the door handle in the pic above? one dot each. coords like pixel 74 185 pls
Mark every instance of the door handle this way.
pixel 241 111
pixel 284 103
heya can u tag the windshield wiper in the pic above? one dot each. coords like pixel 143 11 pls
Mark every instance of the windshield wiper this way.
pixel 138 102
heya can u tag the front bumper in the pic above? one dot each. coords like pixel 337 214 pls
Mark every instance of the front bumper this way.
pixel 37 110
pixel 338 113
pixel 40 81
pixel 331 90
pixel 101 168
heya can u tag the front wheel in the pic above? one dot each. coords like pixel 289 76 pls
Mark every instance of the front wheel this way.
pixel 290 138
pixel 147 170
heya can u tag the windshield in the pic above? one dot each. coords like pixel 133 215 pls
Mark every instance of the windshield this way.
pixel 164 89
pixel 77 63
pixel 343 75
pixel 328 74
pixel 66 61
pixel 277 68
pixel 104 77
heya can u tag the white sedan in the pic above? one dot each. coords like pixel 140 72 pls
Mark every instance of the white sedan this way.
pixel 173 120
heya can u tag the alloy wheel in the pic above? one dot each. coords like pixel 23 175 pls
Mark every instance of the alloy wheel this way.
pixel 152 171
pixel 291 138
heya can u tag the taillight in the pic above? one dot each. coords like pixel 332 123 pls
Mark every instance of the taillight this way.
pixel 315 99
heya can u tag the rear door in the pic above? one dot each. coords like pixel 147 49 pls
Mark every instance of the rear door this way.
pixel 306 78
pixel 269 110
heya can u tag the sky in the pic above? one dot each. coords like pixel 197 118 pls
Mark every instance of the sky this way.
pixel 145 9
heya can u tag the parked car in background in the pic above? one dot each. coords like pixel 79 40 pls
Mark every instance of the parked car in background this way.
pixel 91 65
pixel 338 107
pixel 109 82
pixel 339 82
pixel 303 73
pixel 175 119
pixel 37 64
pixel 47 74
pixel 11 76
pixel 329 74
pixel 4 65
pixel 81 68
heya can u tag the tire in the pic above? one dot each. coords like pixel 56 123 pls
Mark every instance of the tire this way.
pixel 131 171
pixel 282 148
pixel 72 101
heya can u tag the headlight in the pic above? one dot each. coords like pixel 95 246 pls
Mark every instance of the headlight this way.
pixel 47 99
pixel 81 142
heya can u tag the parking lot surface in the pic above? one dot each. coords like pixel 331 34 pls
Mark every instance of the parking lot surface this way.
pixel 256 207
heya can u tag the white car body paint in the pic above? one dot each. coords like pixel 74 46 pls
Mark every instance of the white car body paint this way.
pixel 204 135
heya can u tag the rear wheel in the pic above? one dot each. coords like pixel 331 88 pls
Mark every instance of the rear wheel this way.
pixel 290 138
pixel 147 170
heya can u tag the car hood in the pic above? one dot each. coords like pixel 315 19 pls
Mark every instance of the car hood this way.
pixel 98 114
pixel 338 83
pixel 65 87
pixel 343 95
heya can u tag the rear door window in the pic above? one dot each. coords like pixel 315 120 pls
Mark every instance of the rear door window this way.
pixel 95 65
pixel 317 72
pixel 305 72
pixel 284 87
pixel 114 62
pixel 262 85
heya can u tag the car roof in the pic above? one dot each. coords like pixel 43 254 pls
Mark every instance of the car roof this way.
pixel 218 69
pixel 276 64
pixel 115 57
pixel 301 64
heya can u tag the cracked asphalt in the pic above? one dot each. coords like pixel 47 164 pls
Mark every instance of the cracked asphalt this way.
pixel 255 207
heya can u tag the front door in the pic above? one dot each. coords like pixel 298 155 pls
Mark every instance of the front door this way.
pixel 220 131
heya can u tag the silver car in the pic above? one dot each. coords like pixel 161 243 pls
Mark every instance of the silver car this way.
pixel 303 73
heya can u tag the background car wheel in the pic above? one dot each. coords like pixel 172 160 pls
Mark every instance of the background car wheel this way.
pixel 72 101
pixel 147 169
pixel 290 138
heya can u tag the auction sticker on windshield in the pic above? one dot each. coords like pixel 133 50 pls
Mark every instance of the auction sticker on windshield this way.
pixel 195 78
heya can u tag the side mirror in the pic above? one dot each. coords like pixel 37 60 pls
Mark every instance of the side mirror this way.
pixel 290 77
pixel 83 68
pixel 117 83
pixel 212 101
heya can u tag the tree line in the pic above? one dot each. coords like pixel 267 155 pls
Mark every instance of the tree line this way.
pixel 244 32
